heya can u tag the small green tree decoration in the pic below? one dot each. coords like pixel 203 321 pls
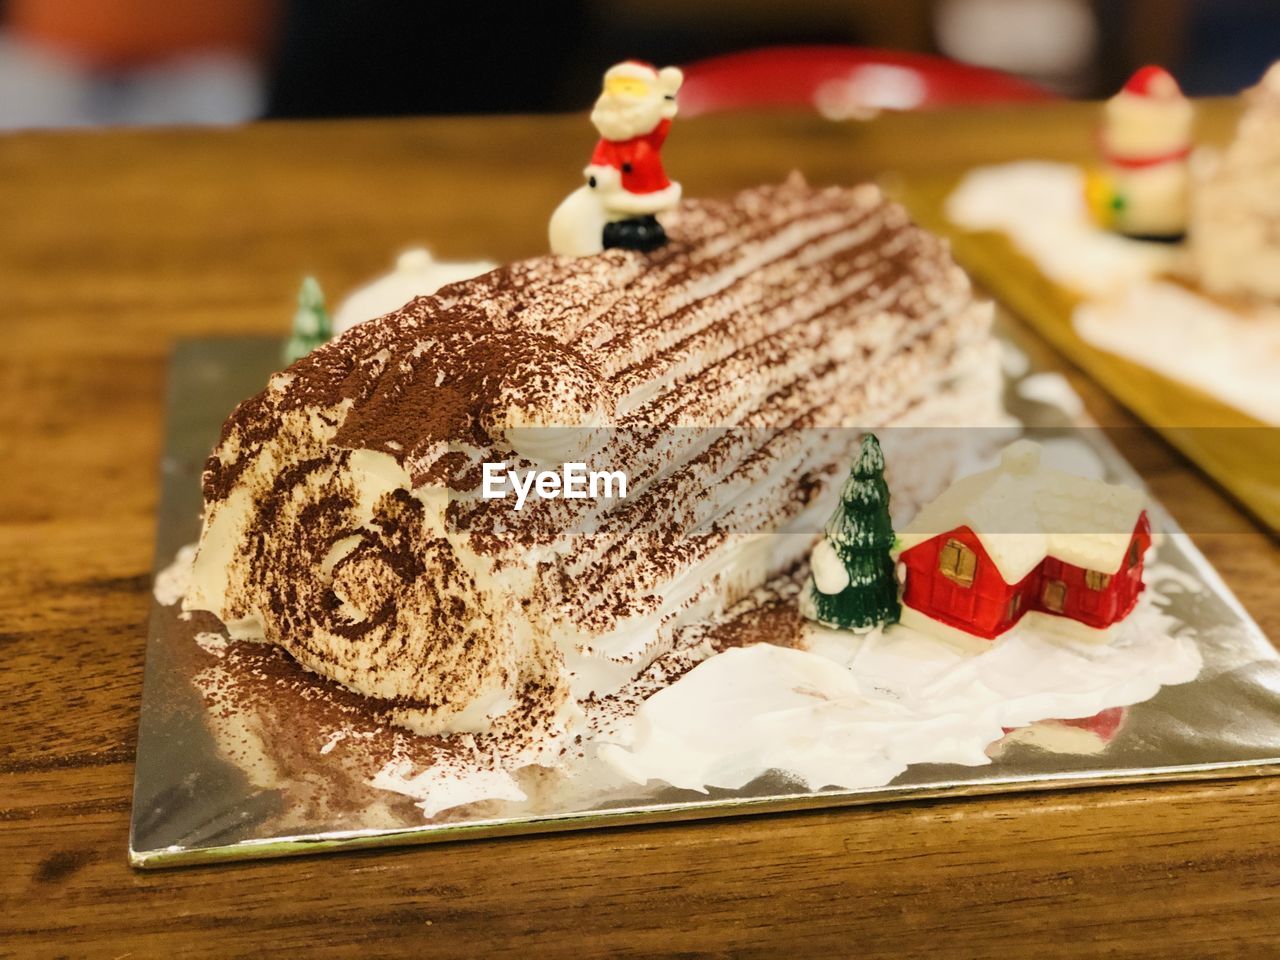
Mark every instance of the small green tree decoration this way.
pixel 853 586
pixel 311 323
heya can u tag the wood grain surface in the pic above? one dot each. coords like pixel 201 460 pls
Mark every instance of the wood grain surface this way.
pixel 114 244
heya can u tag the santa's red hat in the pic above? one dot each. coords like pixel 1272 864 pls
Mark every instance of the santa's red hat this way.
pixel 639 69
pixel 1154 82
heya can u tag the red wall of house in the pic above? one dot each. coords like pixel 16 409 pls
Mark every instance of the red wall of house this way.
pixel 986 607
pixel 980 609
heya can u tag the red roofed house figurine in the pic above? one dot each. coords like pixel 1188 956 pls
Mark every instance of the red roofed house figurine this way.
pixel 626 186
pixel 1023 540
pixel 1143 188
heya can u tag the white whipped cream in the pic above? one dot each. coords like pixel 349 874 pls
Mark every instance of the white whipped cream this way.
pixel 1230 354
pixel 173 582
pixel 855 711
pixel 442 786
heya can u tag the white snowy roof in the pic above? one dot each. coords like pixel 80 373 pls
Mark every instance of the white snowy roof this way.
pixel 1023 512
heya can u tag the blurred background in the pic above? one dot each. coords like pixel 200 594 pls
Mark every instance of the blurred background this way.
pixel 77 62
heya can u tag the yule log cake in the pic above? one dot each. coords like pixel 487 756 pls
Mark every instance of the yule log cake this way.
pixel 343 517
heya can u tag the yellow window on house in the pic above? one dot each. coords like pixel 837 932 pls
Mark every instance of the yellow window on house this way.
pixel 1054 595
pixel 1096 580
pixel 957 563
pixel 1015 604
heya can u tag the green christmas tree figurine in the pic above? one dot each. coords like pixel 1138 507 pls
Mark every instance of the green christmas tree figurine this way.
pixel 853 586
pixel 311 324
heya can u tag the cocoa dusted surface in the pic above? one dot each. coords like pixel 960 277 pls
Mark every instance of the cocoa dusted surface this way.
pixel 429 375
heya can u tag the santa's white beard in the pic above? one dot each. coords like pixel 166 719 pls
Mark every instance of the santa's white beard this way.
pixel 621 118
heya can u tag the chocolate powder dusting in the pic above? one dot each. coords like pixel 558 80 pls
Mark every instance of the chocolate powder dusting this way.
pixel 777 621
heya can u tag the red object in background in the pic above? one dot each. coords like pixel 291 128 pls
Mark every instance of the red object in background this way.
pixel 987 606
pixel 858 79
pixel 119 34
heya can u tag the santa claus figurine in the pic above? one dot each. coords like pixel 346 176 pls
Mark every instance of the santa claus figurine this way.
pixel 626 186
pixel 1142 189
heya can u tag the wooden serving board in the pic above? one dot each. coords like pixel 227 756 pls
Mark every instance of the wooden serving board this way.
pixel 1240 453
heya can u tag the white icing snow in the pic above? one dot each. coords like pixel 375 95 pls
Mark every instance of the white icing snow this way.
pixel 1228 353
pixel 855 711
pixel 829 573
pixel 1041 207
pixel 1052 389
pixel 171 583
pixel 444 785
pixel 1069 454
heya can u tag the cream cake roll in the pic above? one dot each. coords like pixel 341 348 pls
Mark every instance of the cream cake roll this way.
pixel 726 375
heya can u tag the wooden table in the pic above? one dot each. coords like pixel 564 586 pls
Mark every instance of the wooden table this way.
pixel 116 244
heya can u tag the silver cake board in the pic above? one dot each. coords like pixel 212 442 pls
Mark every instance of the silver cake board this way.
pixel 196 801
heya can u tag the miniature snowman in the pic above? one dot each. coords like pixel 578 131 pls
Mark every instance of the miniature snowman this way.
pixel 626 186
pixel 1142 189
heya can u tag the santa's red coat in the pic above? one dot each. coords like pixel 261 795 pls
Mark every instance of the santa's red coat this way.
pixel 638 160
